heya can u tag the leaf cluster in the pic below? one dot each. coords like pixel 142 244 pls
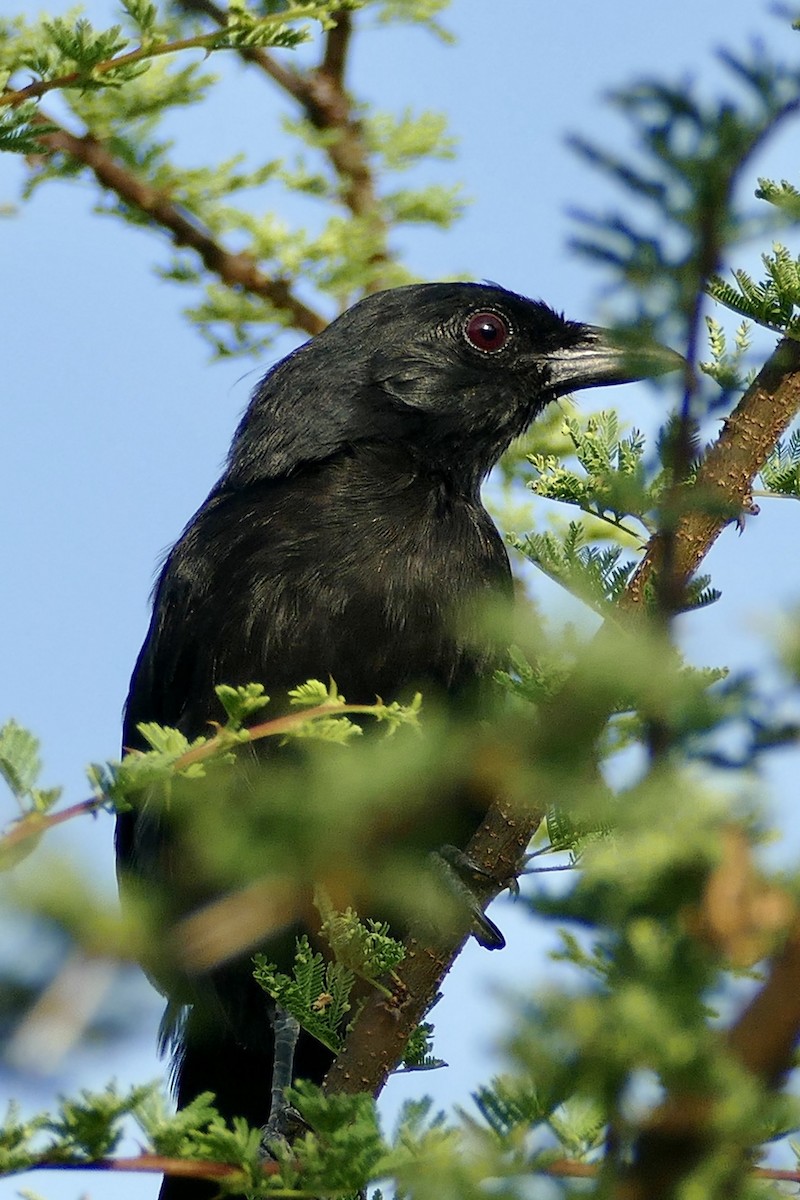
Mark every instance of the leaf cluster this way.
pixel 123 96
pixel 21 766
pixel 343 1151
pixel 781 472
pixel 317 993
pixel 322 715
pixel 83 1129
pixel 774 302
pixel 596 575
pixel 613 483
pixel 365 947
pixel 725 366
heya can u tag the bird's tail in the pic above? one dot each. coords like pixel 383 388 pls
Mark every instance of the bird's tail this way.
pixel 239 1077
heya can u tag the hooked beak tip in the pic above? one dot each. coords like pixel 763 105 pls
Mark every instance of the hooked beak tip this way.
pixel 606 356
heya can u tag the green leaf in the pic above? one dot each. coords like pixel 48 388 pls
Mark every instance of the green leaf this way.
pixel 22 130
pixel 240 703
pixel 313 693
pixel 418 1054
pixel 595 575
pixel 781 472
pixel 365 947
pixel 317 993
pixel 20 763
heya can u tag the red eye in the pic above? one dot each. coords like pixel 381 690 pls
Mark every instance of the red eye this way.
pixel 487 331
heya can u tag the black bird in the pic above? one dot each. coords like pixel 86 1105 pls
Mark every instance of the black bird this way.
pixel 346 538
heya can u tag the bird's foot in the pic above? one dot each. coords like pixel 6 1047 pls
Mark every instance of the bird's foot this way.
pixel 282 1127
pixel 284 1121
pixel 464 878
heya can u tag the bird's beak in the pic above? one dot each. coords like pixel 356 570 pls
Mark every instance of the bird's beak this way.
pixel 604 356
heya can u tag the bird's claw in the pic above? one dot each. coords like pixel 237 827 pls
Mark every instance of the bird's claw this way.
pixel 463 876
pixel 283 1126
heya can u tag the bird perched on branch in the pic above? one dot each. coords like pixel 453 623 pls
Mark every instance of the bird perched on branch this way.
pixel 346 538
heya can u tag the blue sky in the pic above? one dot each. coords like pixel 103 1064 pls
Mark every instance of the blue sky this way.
pixel 114 423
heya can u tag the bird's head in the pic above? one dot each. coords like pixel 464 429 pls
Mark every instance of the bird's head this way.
pixel 453 371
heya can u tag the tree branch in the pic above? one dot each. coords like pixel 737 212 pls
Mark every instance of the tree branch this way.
pixel 724 483
pixel 205 41
pixel 336 46
pixel 326 104
pixel 159 1164
pixel 156 1164
pixel 239 271
pixel 379 1035
pixel 570 1168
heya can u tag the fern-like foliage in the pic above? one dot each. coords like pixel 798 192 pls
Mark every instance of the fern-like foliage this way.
pixel 365 947
pixel 508 1104
pixel 534 681
pixel 773 301
pixel 725 366
pixel 317 993
pixel 597 576
pixel 567 832
pixel 781 472
pixel 783 195
pixel 20 767
pixel 613 483
pixel 418 1054
pixel 20 133
pixel 171 753
pixel 594 958
pixel 344 1151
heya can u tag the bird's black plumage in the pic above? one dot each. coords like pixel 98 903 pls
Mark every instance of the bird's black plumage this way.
pixel 345 538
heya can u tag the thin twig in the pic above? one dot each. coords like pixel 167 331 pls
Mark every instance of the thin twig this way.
pixel 322 95
pixel 156 1164
pixel 159 1164
pixel 568 1168
pixel 34 824
pixel 204 41
pixel 238 271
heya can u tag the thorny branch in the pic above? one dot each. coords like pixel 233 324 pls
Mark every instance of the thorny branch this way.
pixel 722 487
pixel 322 95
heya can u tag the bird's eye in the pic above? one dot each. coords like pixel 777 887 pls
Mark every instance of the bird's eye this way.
pixel 487 331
